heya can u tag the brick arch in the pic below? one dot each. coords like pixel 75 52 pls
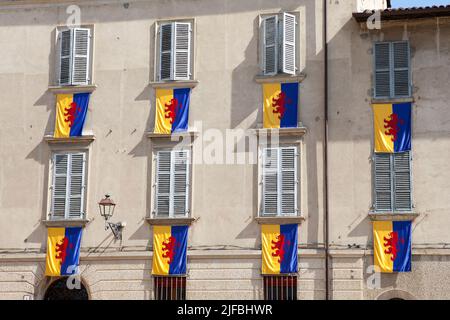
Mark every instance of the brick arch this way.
pixel 396 295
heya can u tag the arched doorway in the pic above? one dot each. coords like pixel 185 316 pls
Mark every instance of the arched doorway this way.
pixel 58 290
pixel 396 295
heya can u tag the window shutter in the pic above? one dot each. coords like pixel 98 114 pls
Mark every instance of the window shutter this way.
pixel 59 188
pixel 182 70
pixel 77 185
pixel 382 77
pixel 270 45
pixel 270 181
pixel 287 55
pixel 163 183
pixel 383 185
pixel 288 181
pixel 402 181
pixel 402 87
pixel 65 59
pixel 180 182
pixel 166 45
pixel 81 49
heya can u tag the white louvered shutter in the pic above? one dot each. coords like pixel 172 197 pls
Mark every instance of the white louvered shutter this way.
pixel 383 182
pixel 270 45
pixel 59 187
pixel 81 51
pixel 270 181
pixel 289 181
pixel 287 53
pixel 182 57
pixel 402 181
pixel 382 74
pixel 65 58
pixel 166 51
pixel 76 185
pixel 180 178
pixel 163 171
pixel 401 69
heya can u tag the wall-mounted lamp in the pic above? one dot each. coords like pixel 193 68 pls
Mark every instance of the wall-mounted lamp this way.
pixel 107 207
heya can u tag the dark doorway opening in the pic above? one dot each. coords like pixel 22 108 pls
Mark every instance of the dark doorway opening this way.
pixel 58 290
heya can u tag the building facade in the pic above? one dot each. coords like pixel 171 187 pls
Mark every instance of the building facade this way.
pixel 125 54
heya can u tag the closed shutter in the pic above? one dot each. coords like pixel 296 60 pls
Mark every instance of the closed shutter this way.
pixel 166 46
pixel 270 181
pixel 383 182
pixel 401 69
pixel 289 181
pixel 382 70
pixel 77 185
pixel 182 68
pixel 402 181
pixel 270 45
pixel 59 188
pixel 68 186
pixel 163 183
pixel 81 50
pixel 172 186
pixel 65 59
pixel 288 44
pixel 180 182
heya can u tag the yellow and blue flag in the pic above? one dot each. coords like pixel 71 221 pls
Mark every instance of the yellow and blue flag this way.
pixel 392 245
pixel 63 251
pixel 71 110
pixel 169 250
pixel 172 110
pixel 280 105
pixel 392 125
pixel 279 249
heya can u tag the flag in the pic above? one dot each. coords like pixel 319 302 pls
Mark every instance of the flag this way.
pixel 169 250
pixel 172 110
pixel 63 251
pixel 280 105
pixel 279 249
pixel 392 125
pixel 392 245
pixel 71 110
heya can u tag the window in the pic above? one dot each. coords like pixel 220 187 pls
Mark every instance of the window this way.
pixel 280 181
pixel 175 51
pixel 279 38
pixel 172 183
pixel 74 47
pixel 392 75
pixel 280 287
pixel 68 187
pixel 170 288
pixel 393 182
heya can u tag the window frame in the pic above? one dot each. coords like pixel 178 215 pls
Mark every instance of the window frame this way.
pixel 58 51
pixel 391 70
pixel 83 204
pixel 158 46
pixel 392 210
pixel 283 278
pixel 159 294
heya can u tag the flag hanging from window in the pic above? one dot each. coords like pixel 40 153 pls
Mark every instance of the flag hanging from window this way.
pixel 280 105
pixel 172 110
pixel 392 246
pixel 279 249
pixel 63 251
pixel 392 125
pixel 169 250
pixel 71 110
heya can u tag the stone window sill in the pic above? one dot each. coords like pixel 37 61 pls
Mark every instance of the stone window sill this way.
pixel 391 100
pixel 174 84
pixel 280 78
pixel 174 136
pixel 393 216
pixel 73 89
pixel 280 220
pixel 170 221
pixel 282 132
pixel 71 140
pixel 66 223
